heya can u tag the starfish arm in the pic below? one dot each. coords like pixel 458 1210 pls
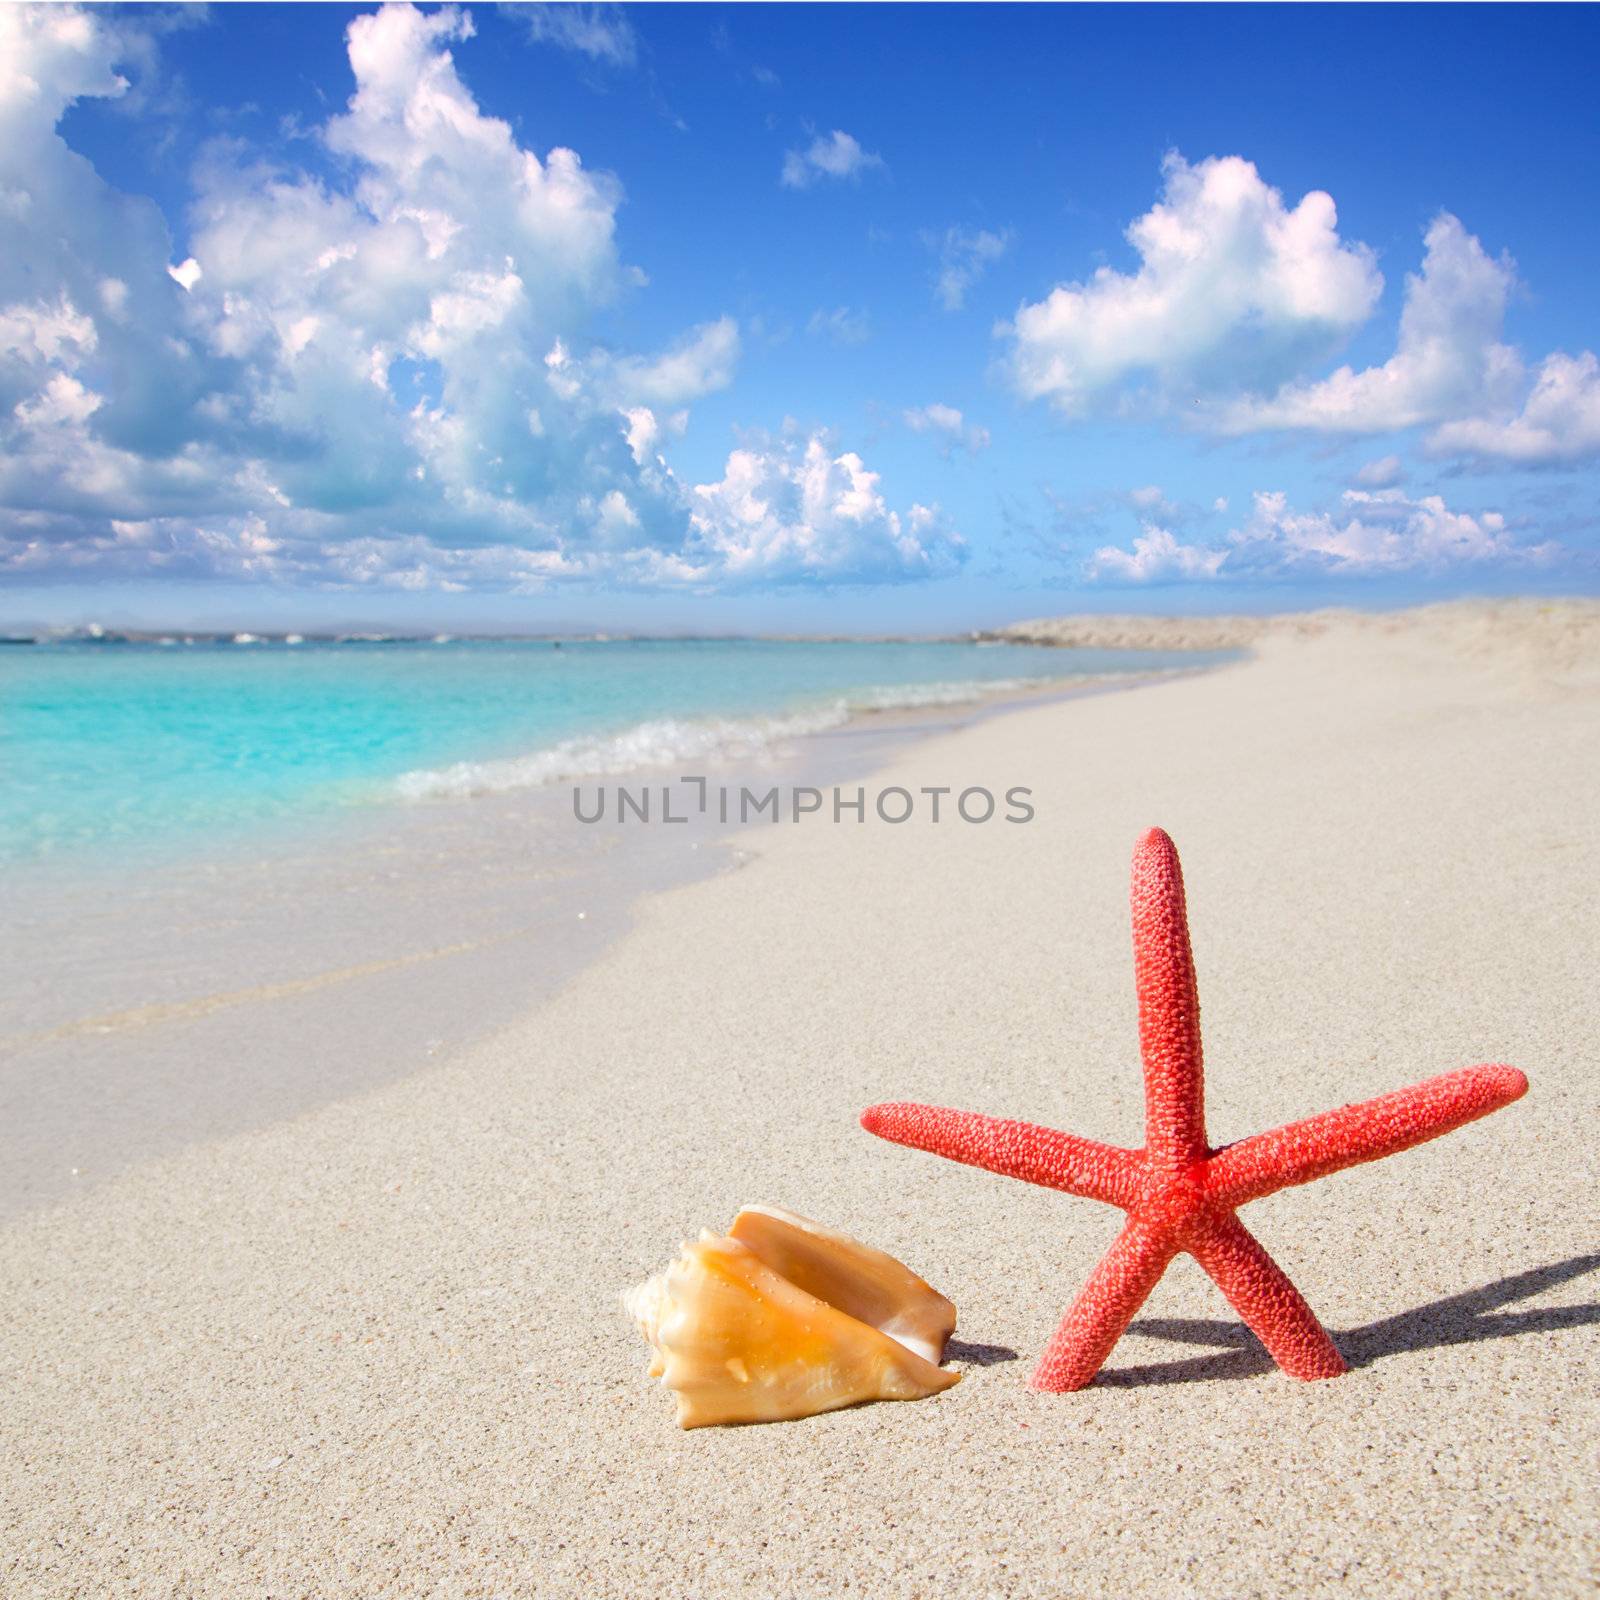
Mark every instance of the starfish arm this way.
pixel 1169 1006
pixel 1268 1304
pixel 1115 1290
pixel 1301 1151
pixel 1014 1149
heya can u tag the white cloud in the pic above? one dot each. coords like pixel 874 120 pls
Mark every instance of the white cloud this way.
pixel 786 511
pixel 1374 531
pixel 964 257
pixel 601 32
pixel 1380 530
pixel 699 363
pixel 42 332
pixel 832 155
pixel 615 519
pixel 949 426
pixel 1558 423
pixel 793 509
pixel 379 377
pixel 842 324
pixel 1448 358
pixel 646 431
pixel 65 236
pixel 1236 294
pixel 62 402
pixel 51 56
pixel 402 320
pixel 643 432
pixel 1156 556
pixel 1450 370
pixel 1382 473
pixel 1231 286
pixel 1151 500
pixel 241 548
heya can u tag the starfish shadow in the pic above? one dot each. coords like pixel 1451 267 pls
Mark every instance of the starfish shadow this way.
pixel 978 1355
pixel 1457 1319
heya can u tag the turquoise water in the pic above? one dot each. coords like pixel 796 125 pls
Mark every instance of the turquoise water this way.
pixel 109 748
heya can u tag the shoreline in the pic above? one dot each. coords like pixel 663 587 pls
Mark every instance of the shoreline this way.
pixel 123 811
pixel 390 936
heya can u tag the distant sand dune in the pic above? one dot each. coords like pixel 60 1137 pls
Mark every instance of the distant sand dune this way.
pixel 1557 638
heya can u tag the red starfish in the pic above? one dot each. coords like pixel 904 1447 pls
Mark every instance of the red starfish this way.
pixel 1179 1192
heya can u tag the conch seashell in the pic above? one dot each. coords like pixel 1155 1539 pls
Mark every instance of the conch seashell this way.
pixel 784 1318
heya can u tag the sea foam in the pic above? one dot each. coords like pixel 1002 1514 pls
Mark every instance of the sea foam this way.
pixel 675 741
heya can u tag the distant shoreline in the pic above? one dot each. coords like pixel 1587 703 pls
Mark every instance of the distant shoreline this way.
pixel 1080 630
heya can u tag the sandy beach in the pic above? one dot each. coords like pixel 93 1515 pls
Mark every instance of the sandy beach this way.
pixel 377 1348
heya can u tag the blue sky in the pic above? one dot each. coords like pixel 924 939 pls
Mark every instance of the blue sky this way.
pixel 792 317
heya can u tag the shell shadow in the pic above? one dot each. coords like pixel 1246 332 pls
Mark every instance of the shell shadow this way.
pixel 1457 1319
pixel 978 1355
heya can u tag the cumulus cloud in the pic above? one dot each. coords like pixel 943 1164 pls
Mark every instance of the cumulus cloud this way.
pixel 1232 285
pixel 394 358
pixel 785 511
pixel 831 155
pixel 393 332
pixel 47 332
pixel 83 269
pixel 1156 557
pixel 267 357
pixel 601 32
pixel 1559 423
pixel 246 548
pixel 1451 372
pixel 1237 296
pixel 964 257
pixel 1375 531
pixel 1448 358
pixel 791 509
pixel 949 427
pixel 1379 530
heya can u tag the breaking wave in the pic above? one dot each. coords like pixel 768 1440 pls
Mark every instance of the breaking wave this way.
pixel 673 741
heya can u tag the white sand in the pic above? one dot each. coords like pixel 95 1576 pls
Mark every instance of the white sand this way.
pixel 377 1350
